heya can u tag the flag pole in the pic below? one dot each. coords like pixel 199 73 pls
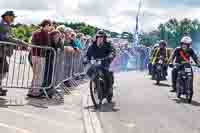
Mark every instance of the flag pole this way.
pixel 136 33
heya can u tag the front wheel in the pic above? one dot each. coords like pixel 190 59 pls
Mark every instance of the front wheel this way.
pixel 110 96
pixel 96 93
pixel 157 77
pixel 178 88
pixel 157 82
pixel 189 90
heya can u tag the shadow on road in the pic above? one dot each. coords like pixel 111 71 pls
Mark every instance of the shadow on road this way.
pixel 44 103
pixel 162 85
pixel 182 100
pixel 106 107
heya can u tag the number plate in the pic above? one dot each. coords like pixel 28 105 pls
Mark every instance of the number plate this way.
pixel 188 70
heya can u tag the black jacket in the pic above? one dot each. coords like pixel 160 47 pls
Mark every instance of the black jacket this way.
pixel 101 52
pixel 188 53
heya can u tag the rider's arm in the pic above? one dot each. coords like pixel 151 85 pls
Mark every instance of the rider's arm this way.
pixel 89 53
pixel 173 55
pixel 155 52
pixel 151 55
pixel 112 51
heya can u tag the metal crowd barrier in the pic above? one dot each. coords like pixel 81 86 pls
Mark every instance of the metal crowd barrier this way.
pixel 70 71
pixel 38 68
pixel 29 73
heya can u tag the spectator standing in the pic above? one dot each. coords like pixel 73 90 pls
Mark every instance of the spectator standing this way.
pixel 5 35
pixel 39 38
pixel 56 42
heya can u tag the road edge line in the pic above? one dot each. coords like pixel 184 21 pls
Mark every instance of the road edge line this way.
pixel 90 119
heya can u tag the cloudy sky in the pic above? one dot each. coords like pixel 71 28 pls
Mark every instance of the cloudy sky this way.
pixel 115 15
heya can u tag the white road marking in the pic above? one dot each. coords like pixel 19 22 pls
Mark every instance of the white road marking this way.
pixel 91 121
pixel 63 125
pixel 19 130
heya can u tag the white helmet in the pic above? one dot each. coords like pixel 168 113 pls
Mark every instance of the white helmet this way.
pixel 156 45
pixel 186 40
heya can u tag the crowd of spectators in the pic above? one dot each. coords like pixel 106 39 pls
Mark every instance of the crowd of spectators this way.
pixel 63 40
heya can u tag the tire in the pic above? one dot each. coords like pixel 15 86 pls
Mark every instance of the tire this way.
pixel 157 75
pixel 157 82
pixel 110 96
pixel 178 93
pixel 109 99
pixel 178 89
pixel 189 91
pixel 97 103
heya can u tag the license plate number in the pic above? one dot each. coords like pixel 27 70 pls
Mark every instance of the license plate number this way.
pixel 188 70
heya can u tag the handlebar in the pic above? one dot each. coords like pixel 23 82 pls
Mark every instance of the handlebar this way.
pixel 86 61
pixel 177 64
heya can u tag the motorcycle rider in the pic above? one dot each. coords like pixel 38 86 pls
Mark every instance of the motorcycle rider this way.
pixel 151 58
pixel 161 51
pixel 101 48
pixel 182 55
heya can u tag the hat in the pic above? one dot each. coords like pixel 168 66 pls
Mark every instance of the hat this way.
pixel 68 29
pixel 101 33
pixel 61 28
pixel 8 13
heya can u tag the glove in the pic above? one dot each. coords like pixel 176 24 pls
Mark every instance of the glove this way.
pixel 111 56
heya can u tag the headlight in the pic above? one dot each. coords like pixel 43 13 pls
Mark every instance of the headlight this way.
pixel 99 62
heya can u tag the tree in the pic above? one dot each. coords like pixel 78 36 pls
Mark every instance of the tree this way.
pixel 88 30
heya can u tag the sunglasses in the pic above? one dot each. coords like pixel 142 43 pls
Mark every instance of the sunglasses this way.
pixel 185 43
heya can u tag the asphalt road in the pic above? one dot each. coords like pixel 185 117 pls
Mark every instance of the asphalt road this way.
pixel 142 107
pixel 21 115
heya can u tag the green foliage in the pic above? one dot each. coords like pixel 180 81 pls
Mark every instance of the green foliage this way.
pixel 88 30
pixel 171 31
pixel 24 32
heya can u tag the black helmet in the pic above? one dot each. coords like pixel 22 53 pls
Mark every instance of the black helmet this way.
pixel 163 42
pixel 101 33
pixel 8 13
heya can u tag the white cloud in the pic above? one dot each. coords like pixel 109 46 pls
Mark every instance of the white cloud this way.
pixel 116 15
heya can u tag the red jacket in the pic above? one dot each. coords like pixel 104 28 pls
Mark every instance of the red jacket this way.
pixel 40 38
